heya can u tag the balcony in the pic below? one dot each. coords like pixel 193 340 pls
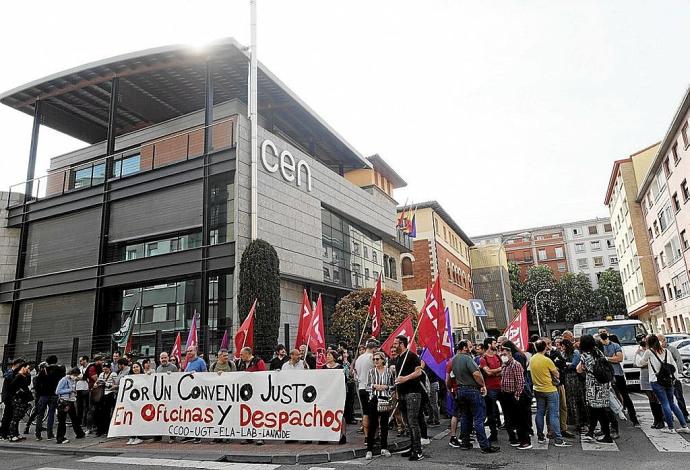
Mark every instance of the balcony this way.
pixel 179 147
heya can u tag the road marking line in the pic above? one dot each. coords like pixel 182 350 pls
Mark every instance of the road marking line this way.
pixel 662 441
pixel 599 446
pixel 145 461
pixel 321 468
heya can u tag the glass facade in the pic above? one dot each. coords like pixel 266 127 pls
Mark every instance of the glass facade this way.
pixel 221 208
pixel 130 251
pixel 352 257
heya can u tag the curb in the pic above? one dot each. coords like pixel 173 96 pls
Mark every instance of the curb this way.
pixel 277 459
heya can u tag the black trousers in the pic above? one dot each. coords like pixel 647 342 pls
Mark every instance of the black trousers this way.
pixel 64 409
pixel 6 419
pixel 103 411
pixel 374 417
pixel 600 415
pixel 678 393
pixel 622 388
pixel 82 406
pixel 515 415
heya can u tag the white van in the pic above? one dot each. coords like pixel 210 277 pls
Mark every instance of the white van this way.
pixel 627 332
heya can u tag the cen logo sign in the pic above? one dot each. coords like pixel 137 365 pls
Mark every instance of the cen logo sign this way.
pixel 285 162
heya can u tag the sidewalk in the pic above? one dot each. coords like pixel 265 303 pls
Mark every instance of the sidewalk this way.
pixel 275 452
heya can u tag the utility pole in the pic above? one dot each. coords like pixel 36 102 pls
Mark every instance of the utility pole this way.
pixel 253 119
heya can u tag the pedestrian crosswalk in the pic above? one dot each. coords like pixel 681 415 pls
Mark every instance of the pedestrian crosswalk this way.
pixel 176 463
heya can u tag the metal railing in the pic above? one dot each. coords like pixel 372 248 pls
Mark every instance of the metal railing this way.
pixel 149 156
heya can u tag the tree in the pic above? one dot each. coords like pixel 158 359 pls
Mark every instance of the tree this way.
pixel 260 280
pixel 538 278
pixel 351 311
pixel 611 288
pixel 574 298
pixel 517 286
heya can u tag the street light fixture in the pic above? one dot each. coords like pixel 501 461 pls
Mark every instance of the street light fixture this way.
pixel 536 307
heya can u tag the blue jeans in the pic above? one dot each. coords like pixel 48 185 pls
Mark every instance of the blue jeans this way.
pixel 49 403
pixel 548 403
pixel 668 405
pixel 472 405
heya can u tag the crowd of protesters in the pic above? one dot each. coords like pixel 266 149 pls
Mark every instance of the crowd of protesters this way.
pixel 577 383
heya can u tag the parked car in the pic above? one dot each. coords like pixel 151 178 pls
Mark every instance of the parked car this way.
pixel 685 357
pixel 673 337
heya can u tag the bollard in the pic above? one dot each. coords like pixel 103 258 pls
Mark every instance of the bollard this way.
pixel 75 351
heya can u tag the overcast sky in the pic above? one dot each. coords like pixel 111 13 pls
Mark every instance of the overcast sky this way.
pixel 509 113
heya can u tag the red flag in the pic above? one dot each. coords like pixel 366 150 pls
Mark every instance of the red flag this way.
pixel 177 350
pixel 303 321
pixel 405 329
pixel 518 330
pixel 432 324
pixel 316 336
pixel 225 341
pixel 375 310
pixel 245 334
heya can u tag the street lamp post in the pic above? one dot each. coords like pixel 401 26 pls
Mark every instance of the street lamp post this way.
pixel 536 308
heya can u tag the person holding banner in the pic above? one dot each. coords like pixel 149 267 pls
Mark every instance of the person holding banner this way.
pixel 223 364
pixel 194 362
pixel 250 363
pixel 379 386
pixel 165 365
pixel 104 395
pixel 409 388
pixel 280 358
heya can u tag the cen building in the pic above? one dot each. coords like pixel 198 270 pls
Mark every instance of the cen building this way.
pixel 154 212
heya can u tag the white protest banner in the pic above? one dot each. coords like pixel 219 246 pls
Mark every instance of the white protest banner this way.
pixel 295 405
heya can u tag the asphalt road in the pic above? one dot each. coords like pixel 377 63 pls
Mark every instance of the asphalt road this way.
pixel 638 448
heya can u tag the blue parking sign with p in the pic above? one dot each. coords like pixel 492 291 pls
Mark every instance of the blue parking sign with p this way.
pixel 478 308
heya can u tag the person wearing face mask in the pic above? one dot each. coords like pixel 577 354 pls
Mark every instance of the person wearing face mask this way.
pixel 512 398
pixel 614 353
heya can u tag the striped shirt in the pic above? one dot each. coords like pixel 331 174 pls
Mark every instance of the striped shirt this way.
pixel 377 377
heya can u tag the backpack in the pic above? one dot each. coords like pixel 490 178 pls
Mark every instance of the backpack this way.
pixel 602 370
pixel 666 375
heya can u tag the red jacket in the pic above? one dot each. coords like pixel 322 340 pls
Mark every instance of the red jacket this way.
pixel 255 365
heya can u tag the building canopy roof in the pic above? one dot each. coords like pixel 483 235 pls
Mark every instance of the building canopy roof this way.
pixel 387 171
pixel 166 82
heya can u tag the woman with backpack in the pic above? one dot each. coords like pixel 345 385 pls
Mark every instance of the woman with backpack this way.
pixel 597 389
pixel 662 376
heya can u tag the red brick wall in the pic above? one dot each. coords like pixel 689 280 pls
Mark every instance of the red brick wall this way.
pixel 460 288
pixel 421 265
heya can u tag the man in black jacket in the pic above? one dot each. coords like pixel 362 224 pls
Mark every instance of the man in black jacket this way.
pixel 47 399
pixel 7 414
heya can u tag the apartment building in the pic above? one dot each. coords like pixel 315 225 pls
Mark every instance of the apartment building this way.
pixel 532 247
pixel 664 197
pixel 590 247
pixel 440 248
pixel 635 260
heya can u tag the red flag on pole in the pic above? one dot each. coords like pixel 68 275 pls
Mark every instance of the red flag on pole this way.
pixel 316 337
pixel 177 350
pixel 518 330
pixel 405 329
pixel 245 334
pixel 432 324
pixel 375 310
pixel 304 321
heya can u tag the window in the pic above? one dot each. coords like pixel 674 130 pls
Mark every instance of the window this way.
pixel 663 220
pixel 598 261
pixel 127 166
pixel 542 255
pixel 393 270
pixel 373 256
pixel 386 266
pixel 684 189
pixel 376 274
pixel 82 178
pixel 595 245
pixel 684 134
pixel 527 256
pixel 561 267
pixel 613 259
pixel 669 292
pixel 676 202
pixel 336 275
pixel 577 232
pixel 171 313
pixel 667 169
pixel 152 249
pixel 592 229
pixel 355 248
pixel 539 237
pixel 610 244
pixel 674 150
pixel 407 269
pixel 366 273
pixel 559 252
pixel 366 252
pixel 684 240
pixel 607 228
pixel 582 263
pixel 579 247
pixel 131 254
pixel 326 273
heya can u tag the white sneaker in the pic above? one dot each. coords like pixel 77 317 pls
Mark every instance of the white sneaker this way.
pixel 386 452
pixel 426 442
pixel 369 455
pixel 669 430
pixel 136 441
pixel 684 430
pixel 129 441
